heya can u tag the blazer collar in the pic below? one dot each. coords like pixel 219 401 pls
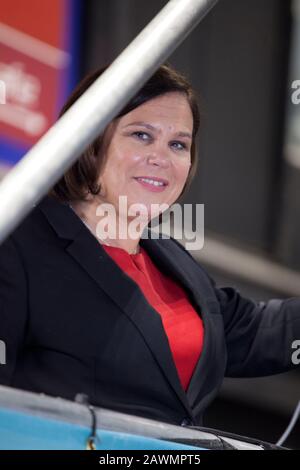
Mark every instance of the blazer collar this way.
pixel 124 292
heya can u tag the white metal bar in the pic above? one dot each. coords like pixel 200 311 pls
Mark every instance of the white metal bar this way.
pixel 60 146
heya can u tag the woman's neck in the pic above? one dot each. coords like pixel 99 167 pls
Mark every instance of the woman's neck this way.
pixel 106 228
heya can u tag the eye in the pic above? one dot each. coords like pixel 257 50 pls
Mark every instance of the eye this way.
pixel 177 145
pixel 142 135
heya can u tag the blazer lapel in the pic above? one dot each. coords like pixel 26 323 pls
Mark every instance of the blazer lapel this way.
pixel 177 266
pixel 123 291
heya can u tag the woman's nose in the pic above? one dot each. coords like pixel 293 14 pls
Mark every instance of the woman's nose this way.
pixel 158 158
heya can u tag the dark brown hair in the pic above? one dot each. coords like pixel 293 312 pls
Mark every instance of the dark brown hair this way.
pixel 81 179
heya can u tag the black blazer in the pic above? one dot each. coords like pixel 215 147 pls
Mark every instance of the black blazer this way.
pixel 73 322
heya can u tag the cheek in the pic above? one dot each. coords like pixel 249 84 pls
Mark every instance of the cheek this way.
pixel 117 168
pixel 126 160
pixel 182 172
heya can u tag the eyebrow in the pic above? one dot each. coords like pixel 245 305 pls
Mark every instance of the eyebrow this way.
pixel 152 128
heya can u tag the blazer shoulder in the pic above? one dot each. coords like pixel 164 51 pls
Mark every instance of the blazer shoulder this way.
pixel 33 232
pixel 33 224
pixel 179 252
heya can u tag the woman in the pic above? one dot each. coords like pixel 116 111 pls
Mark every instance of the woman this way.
pixel 134 323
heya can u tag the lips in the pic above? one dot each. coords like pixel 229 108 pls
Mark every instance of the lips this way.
pixel 153 178
pixel 152 183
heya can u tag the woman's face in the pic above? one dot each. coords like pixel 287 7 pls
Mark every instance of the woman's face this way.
pixel 148 155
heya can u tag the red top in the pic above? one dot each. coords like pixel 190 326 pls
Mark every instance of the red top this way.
pixel 183 325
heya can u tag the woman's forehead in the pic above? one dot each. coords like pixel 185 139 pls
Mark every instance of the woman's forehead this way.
pixel 172 107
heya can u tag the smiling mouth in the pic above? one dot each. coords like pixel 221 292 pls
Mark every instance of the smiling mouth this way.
pixel 153 184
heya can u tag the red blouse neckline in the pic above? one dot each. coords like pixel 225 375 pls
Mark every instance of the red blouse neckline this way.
pixel 120 251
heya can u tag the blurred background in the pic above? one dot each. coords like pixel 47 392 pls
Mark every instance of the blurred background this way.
pixel 242 59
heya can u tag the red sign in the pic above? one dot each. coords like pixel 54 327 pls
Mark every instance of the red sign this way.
pixel 33 63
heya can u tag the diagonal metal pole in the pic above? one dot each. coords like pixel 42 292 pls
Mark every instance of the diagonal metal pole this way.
pixel 46 162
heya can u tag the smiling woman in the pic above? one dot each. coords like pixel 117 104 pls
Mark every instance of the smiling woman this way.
pixel 135 323
pixel 82 178
pixel 146 154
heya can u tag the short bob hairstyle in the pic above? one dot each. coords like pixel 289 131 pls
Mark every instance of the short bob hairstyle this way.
pixel 81 179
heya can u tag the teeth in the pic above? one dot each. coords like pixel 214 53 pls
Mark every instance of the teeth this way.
pixel 155 183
